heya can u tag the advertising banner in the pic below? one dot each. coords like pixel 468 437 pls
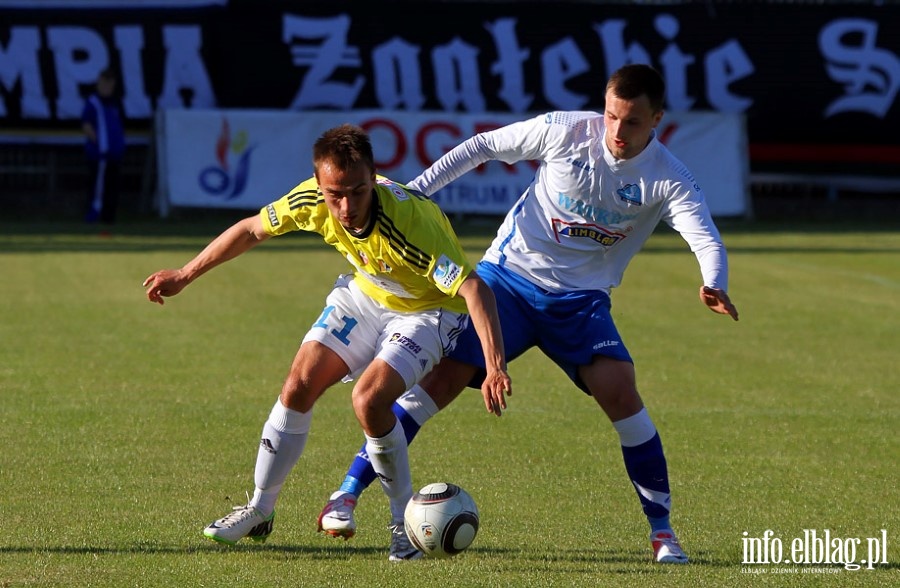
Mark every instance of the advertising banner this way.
pixel 246 159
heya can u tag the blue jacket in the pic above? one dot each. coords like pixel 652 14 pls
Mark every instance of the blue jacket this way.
pixel 104 116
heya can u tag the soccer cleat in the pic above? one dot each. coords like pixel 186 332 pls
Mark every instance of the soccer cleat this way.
pixel 242 521
pixel 336 519
pixel 401 548
pixel 666 548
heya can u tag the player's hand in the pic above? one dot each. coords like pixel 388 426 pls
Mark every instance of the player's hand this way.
pixel 496 387
pixel 164 283
pixel 718 301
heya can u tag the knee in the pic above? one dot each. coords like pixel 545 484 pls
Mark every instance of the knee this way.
pixel 367 402
pixel 298 394
pixel 360 401
pixel 612 384
pixel 373 411
pixel 619 401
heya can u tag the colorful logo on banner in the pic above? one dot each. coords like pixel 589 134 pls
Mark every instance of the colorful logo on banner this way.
pixel 224 179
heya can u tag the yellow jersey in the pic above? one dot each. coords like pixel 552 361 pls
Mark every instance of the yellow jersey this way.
pixel 408 259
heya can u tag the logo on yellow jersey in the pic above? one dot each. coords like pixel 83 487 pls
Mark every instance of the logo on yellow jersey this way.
pixel 446 272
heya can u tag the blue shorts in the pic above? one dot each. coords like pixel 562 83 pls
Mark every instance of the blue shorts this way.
pixel 570 328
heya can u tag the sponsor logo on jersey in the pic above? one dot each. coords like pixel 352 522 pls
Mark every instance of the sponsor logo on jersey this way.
pixel 593 213
pixel 630 193
pixel 396 190
pixel 273 218
pixel 595 233
pixel 446 272
pixel 581 165
pixel 406 343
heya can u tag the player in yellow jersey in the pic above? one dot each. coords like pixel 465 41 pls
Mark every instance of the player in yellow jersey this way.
pixel 386 325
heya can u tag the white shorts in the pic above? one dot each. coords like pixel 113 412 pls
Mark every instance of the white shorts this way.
pixel 359 329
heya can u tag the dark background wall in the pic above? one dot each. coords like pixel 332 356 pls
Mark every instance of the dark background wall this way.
pixel 817 81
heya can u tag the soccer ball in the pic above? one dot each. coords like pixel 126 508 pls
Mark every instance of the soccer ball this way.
pixel 441 520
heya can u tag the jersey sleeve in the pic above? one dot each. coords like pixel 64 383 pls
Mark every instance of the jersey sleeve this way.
pixel 449 267
pixel 515 142
pixel 688 214
pixel 535 139
pixel 301 209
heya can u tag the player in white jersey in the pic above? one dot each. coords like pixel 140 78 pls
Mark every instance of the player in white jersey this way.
pixel 410 296
pixel 603 185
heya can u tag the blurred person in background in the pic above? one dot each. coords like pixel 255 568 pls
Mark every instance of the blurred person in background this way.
pixel 101 122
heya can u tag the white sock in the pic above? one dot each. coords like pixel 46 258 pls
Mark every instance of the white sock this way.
pixel 636 429
pixel 390 460
pixel 418 404
pixel 283 439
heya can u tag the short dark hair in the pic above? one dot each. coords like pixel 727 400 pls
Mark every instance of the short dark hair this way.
pixel 345 146
pixel 637 79
pixel 108 74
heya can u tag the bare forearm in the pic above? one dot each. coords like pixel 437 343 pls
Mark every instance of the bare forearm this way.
pixel 237 239
pixel 483 314
pixel 234 241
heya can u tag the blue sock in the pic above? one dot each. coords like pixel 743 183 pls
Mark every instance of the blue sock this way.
pixel 360 475
pixel 646 466
pixel 660 524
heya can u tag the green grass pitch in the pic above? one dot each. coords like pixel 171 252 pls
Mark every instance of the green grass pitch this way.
pixel 127 427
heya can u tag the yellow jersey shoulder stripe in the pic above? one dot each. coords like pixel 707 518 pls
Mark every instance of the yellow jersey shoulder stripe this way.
pixel 399 243
pixel 304 198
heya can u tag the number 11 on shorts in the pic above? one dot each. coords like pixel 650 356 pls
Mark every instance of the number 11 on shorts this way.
pixel 343 334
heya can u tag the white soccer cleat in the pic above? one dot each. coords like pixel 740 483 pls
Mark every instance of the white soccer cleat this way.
pixel 401 548
pixel 666 548
pixel 243 521
pixel 336 519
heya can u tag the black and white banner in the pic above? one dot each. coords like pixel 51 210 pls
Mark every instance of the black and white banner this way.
pixel 815 81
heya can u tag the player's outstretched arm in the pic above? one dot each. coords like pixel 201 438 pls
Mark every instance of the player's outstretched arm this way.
pixel 718 301
pixel 235 240
pixel 483 313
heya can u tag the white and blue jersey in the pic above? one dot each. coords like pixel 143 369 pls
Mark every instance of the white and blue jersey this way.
pixel 585 214
pixel 579 223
